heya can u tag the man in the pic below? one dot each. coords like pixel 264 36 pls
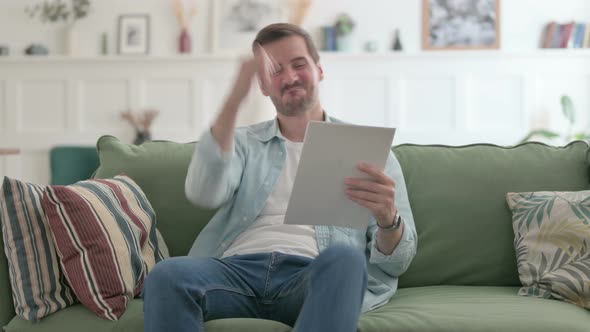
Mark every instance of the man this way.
pixel 247 262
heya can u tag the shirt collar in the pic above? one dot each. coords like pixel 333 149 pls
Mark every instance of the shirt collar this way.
pixel 267 130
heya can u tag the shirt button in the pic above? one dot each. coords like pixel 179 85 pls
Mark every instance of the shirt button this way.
pixel 244 219
pixel 224 244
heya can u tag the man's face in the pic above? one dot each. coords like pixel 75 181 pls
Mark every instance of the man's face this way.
pixel 289 76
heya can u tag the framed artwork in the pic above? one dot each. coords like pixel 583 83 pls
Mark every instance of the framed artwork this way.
pixel 460 24
pixel 134 34
pixel 234 23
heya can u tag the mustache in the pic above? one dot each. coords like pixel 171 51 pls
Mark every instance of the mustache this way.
pixel 294 85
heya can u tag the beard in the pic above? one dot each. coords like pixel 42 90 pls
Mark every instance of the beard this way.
pixel 296 104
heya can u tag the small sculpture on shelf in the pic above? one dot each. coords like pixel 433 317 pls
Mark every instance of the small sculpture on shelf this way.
pixel 36 49
pixel 184 20
pixel 371 46
pixel 397 43
pixel 141 122
pixel 4 50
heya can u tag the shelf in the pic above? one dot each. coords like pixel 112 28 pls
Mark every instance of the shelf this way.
pixel 540 53
pixel 547 53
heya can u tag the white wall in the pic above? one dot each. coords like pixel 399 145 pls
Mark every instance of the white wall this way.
pixel 440 97
pixel 522 23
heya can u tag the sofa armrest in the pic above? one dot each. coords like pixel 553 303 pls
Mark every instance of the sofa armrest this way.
pixel 6 303
pixel 70 164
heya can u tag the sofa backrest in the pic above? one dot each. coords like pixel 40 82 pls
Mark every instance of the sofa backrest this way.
pixel 457 195
pixel 159 168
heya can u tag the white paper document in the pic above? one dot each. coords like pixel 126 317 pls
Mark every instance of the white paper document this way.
pixel 331 153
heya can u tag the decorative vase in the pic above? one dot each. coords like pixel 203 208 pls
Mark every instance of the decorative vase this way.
pixel 329 33
pixel 142 137
pixel 104 44
pixel 69 39
pixel 184 41
pixel 343 43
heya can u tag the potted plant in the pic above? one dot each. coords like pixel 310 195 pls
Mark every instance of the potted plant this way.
pixel 344 27
pixel 569 112
pixel 66 11
pixel 142 123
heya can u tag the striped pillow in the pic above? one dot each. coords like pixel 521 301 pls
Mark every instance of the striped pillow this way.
pixel 105 234
pixel 38 286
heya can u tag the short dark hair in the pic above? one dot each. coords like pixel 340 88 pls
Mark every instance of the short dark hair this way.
pixel 277 31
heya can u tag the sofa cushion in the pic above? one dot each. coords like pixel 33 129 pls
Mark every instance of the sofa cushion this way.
pixel 552 235
pixel 457 196
pixel 77 318
pixel 105 235
pixel 473 308
pixel 38 285
pixel 420 309
pixel 159 168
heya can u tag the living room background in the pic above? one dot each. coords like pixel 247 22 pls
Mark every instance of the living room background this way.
pixel 441 97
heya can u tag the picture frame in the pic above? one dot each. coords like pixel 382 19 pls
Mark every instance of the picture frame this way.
pixel 133 34
pixel 461 24
pixel 234 23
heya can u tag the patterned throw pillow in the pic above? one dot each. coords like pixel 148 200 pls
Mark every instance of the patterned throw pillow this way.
pixel 552 239
pixel 38 286
pixel 105 234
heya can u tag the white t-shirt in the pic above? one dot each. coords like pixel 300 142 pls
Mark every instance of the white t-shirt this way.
pixel 268 233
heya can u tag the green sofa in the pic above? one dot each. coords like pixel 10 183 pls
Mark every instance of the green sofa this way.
pixel 463 278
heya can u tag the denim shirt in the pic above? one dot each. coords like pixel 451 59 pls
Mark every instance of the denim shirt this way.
pixel 240 182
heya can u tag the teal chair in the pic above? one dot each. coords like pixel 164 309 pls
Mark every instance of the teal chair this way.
pixel 70 164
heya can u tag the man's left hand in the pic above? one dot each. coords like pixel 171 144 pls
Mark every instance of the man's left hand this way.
pixel 376 194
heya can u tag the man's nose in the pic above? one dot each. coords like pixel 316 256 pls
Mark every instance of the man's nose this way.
pixel 290 76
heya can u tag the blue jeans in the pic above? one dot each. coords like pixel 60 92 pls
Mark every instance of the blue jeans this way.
pixel 321 294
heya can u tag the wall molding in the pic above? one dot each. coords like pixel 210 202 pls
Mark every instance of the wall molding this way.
pixel 432 97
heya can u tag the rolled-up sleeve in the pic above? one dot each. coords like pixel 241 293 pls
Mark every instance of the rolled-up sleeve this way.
pixel 213 175
pixel 399 260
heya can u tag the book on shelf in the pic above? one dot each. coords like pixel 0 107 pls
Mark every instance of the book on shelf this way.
pixel 549 33
pixel 586 43
pixel 579 35
pixel 567 35
pixel 556 40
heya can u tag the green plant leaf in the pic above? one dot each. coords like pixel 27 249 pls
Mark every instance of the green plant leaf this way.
pixel 540 132
pixel 581 136
pixel 567 107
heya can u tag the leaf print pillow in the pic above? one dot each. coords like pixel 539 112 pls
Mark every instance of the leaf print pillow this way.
pixel 551 239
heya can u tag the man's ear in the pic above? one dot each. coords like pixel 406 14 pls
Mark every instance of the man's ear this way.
pixel 320 72
pixel 263 87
